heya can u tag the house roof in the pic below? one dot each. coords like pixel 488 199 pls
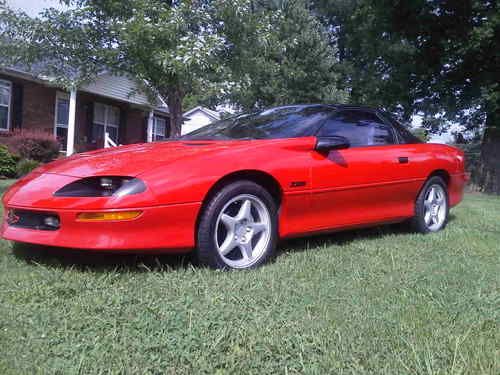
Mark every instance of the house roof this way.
pixel 208 112
pixel 119 87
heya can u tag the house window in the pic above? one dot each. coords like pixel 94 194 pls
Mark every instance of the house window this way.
pixel 5 95
pixel 159 128
pixel 61 120
pixel 106 120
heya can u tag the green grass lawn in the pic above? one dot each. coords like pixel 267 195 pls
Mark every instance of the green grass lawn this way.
pixel 369 301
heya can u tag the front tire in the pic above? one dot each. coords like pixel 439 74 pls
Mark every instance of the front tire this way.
pixel 431 207
pixel 238 228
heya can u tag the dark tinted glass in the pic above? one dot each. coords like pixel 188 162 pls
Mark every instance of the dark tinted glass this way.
pixel 62 111
pixel 62 137
pixel 406 135
pixel 359 127
pixel 281 122
pixel 4 116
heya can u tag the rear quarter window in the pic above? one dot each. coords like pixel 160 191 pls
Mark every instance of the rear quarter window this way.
pixel 405 135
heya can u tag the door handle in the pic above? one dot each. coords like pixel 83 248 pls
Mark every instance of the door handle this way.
pixel 403 160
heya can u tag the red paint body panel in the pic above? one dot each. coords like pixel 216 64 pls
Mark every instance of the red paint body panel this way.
pixel 142 233
pixel 344 189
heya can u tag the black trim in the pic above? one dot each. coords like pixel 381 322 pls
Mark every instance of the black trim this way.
pixel 17 105
pixel 32 219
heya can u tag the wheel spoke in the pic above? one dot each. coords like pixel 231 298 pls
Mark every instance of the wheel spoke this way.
pixel 246 250
pixel 432 194
pixel 228 244
pixel 245 211
pixel 438 210
pixel 427 217
pixel 228 221
pixel 427 205
pixel 434 219
pixel 258 227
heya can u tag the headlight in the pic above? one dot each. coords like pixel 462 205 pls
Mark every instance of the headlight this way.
pixel 104 186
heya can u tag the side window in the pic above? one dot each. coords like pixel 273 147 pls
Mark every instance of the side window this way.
pixel 361 128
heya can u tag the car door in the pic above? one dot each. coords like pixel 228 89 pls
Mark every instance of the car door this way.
pixel 369 182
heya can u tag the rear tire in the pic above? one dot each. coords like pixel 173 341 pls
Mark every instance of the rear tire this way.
pixel 238 227
pixel 431 207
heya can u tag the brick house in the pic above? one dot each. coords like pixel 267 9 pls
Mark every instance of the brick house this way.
pixel 111 110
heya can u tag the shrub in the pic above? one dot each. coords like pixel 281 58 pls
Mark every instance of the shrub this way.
pixel 7 163
pixel 35 145
pixel 25 166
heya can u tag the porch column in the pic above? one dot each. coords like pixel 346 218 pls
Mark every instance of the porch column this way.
pixel 150 127
pixel 70 145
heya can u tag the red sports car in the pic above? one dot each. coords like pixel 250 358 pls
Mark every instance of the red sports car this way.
pixel 232 189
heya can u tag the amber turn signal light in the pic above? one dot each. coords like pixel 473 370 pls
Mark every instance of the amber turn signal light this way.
pixel 107 216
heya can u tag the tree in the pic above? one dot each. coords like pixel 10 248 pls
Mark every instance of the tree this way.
pixel 277 53
pixel 281 55
pixel 170 45
pixel 434 57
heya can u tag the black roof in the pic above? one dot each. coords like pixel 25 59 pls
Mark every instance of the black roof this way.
pixel 330 105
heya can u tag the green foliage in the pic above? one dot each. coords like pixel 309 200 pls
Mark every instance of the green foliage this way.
pixel 281 55
pixel 25 166
pixel 361 302
pixel 7 163
pixel 429 57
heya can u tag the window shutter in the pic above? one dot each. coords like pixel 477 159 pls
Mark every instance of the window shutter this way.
pixel 90 120
pixel 17 106
pixel 122 129
pixel 144 133
pixel 167 127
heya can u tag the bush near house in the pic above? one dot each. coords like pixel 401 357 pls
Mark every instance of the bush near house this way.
pixel 32 144
pixel 23 150
pixel 7 163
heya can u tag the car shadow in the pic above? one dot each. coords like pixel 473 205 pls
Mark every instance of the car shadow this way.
pixel 102 261
pixel 341 237
pixel 99 261
pixel 346 236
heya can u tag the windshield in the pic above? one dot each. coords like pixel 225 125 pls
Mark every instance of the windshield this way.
pixel 281 122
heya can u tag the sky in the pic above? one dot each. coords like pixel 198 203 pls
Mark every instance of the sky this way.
pixel 33 7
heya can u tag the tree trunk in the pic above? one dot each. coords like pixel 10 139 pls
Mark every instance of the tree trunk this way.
pixel 489 172
pixel 174 100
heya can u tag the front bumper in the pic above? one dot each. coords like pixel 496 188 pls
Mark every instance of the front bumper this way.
pixel 168 228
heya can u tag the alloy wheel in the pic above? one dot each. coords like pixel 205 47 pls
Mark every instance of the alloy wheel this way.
pixel 435 207
pixel 243 231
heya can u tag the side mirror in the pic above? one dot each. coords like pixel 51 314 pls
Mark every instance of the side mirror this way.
pixel 325 144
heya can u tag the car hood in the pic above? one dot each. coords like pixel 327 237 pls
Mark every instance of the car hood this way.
pixel 130 160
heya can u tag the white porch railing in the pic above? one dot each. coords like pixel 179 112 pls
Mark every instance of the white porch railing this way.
pixel 108 142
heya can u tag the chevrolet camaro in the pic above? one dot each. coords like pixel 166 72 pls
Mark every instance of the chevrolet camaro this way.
pixel 230 190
